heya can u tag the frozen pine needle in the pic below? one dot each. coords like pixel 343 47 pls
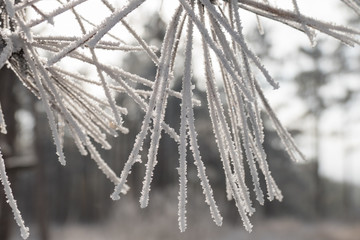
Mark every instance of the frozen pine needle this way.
pixel 2 122
pixel 11 200
pixel 71 107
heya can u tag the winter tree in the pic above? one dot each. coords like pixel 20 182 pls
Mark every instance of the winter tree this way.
pixel 216 29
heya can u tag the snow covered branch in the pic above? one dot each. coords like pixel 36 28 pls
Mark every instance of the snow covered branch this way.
pixel 237 123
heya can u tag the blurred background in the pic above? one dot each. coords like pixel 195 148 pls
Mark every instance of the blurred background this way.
pixel 318 103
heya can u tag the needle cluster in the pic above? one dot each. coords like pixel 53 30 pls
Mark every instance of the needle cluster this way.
pixel 236 122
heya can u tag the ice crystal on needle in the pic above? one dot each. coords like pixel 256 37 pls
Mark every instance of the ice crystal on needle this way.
pixel 237 123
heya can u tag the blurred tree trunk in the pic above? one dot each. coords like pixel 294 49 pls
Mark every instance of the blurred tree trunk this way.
pixel 7 143
pixel 319 192
pixel 41 206
pixel 309 84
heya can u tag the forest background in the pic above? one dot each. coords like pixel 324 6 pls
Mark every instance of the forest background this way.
pixel 321 196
